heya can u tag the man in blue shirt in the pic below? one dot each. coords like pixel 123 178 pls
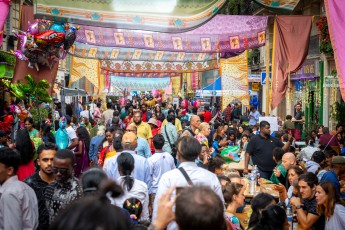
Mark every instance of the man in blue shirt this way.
pixel 253 116
pixel 338 169
pixel 143 148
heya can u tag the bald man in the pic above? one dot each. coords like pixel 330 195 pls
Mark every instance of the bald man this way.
pixel 141 165
pixel 143 147
pixel 193 129
pixel 288 160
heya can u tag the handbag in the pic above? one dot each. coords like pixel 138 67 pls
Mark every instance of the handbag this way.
pixel 172 146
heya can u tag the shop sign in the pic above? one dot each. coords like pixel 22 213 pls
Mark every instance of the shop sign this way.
pixel 308 70
pixel 255 86
pixel 254 78
pixel 331 82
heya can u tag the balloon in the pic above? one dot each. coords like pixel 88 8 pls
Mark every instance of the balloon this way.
pixel 58 27
pixel 61 138
pixel 19 54
pixel 197 104
pixel 22 37
pixel 230 154
pixel 159 99
pixel 70 38
pixel 154 92
pixel 33 28
pixel 49 37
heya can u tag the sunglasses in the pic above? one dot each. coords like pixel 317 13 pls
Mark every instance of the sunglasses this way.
pixel 61 170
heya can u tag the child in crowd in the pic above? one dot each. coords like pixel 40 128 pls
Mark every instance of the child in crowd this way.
pixel 217 145
pixel 279 172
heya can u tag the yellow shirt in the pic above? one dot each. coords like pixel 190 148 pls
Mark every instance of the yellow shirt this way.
pixel 177 124
pixel 144 130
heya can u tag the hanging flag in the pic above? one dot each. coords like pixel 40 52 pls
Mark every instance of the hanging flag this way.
pixel 290 48
pixel 335 15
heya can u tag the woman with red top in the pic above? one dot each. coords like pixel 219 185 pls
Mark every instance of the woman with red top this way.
pixel 155 130
pixel 7 122
pixel 26 148
pixel 128 119
pixel 107 147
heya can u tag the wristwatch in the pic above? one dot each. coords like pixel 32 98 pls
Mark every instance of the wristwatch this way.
pixel 298 207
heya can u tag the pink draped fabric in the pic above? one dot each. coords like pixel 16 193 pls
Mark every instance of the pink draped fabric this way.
pixel 4 8
pixel 336 20
pixel 290 48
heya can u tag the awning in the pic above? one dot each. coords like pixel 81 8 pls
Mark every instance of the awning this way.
pixel 213 89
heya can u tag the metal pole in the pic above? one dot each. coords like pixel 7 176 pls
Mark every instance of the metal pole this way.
pixel 267 45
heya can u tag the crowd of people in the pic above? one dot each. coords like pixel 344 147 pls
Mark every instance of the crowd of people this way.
pixel 159 167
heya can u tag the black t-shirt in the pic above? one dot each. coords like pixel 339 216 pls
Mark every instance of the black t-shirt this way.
pixel 310 206
pixel 261 151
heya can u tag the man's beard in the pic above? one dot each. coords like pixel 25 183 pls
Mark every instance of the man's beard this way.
pixel 137 122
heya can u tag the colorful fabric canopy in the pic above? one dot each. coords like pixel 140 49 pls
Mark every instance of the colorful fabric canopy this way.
pixel 223 33
pixel 141 84
pixel 153 15
pixel 100 52
pixel 335 15
pixel 279 6
pixel 157 67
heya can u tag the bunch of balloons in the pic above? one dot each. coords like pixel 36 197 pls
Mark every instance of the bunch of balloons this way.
pixel 45 42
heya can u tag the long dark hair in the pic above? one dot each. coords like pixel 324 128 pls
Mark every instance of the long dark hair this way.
pixel 24 146
pixel 93 212
pixel 125 164
pixel 273 217
pixel 47 135
pixel 84 136
pixel 259 202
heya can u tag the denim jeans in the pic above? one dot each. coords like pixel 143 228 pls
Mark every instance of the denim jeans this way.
pixel 265 174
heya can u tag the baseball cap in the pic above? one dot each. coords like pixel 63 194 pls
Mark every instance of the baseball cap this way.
pixel 338 160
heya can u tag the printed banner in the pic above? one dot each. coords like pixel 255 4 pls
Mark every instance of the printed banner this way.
pixel 157 67
pixel 139 84
pixel 101 52
pixel 176 85
pixel 88 68
pixel 335 15
pixel 223 33
pixel 173 16
pixel 234 76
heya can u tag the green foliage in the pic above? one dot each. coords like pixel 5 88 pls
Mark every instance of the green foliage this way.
pixel 43 114
pixel 338 112
pixel 238 7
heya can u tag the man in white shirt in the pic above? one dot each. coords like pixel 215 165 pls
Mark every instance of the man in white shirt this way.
pixel 72 136
pixel 253 116
pixel 160 163
pixel 86 112
pixel 18 202
pixel 141 169
pixel 188 149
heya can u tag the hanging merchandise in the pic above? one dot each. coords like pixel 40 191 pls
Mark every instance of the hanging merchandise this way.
pixel 44 42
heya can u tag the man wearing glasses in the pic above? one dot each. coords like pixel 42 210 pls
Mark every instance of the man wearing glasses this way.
pixel 143 148
pixel 65 188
